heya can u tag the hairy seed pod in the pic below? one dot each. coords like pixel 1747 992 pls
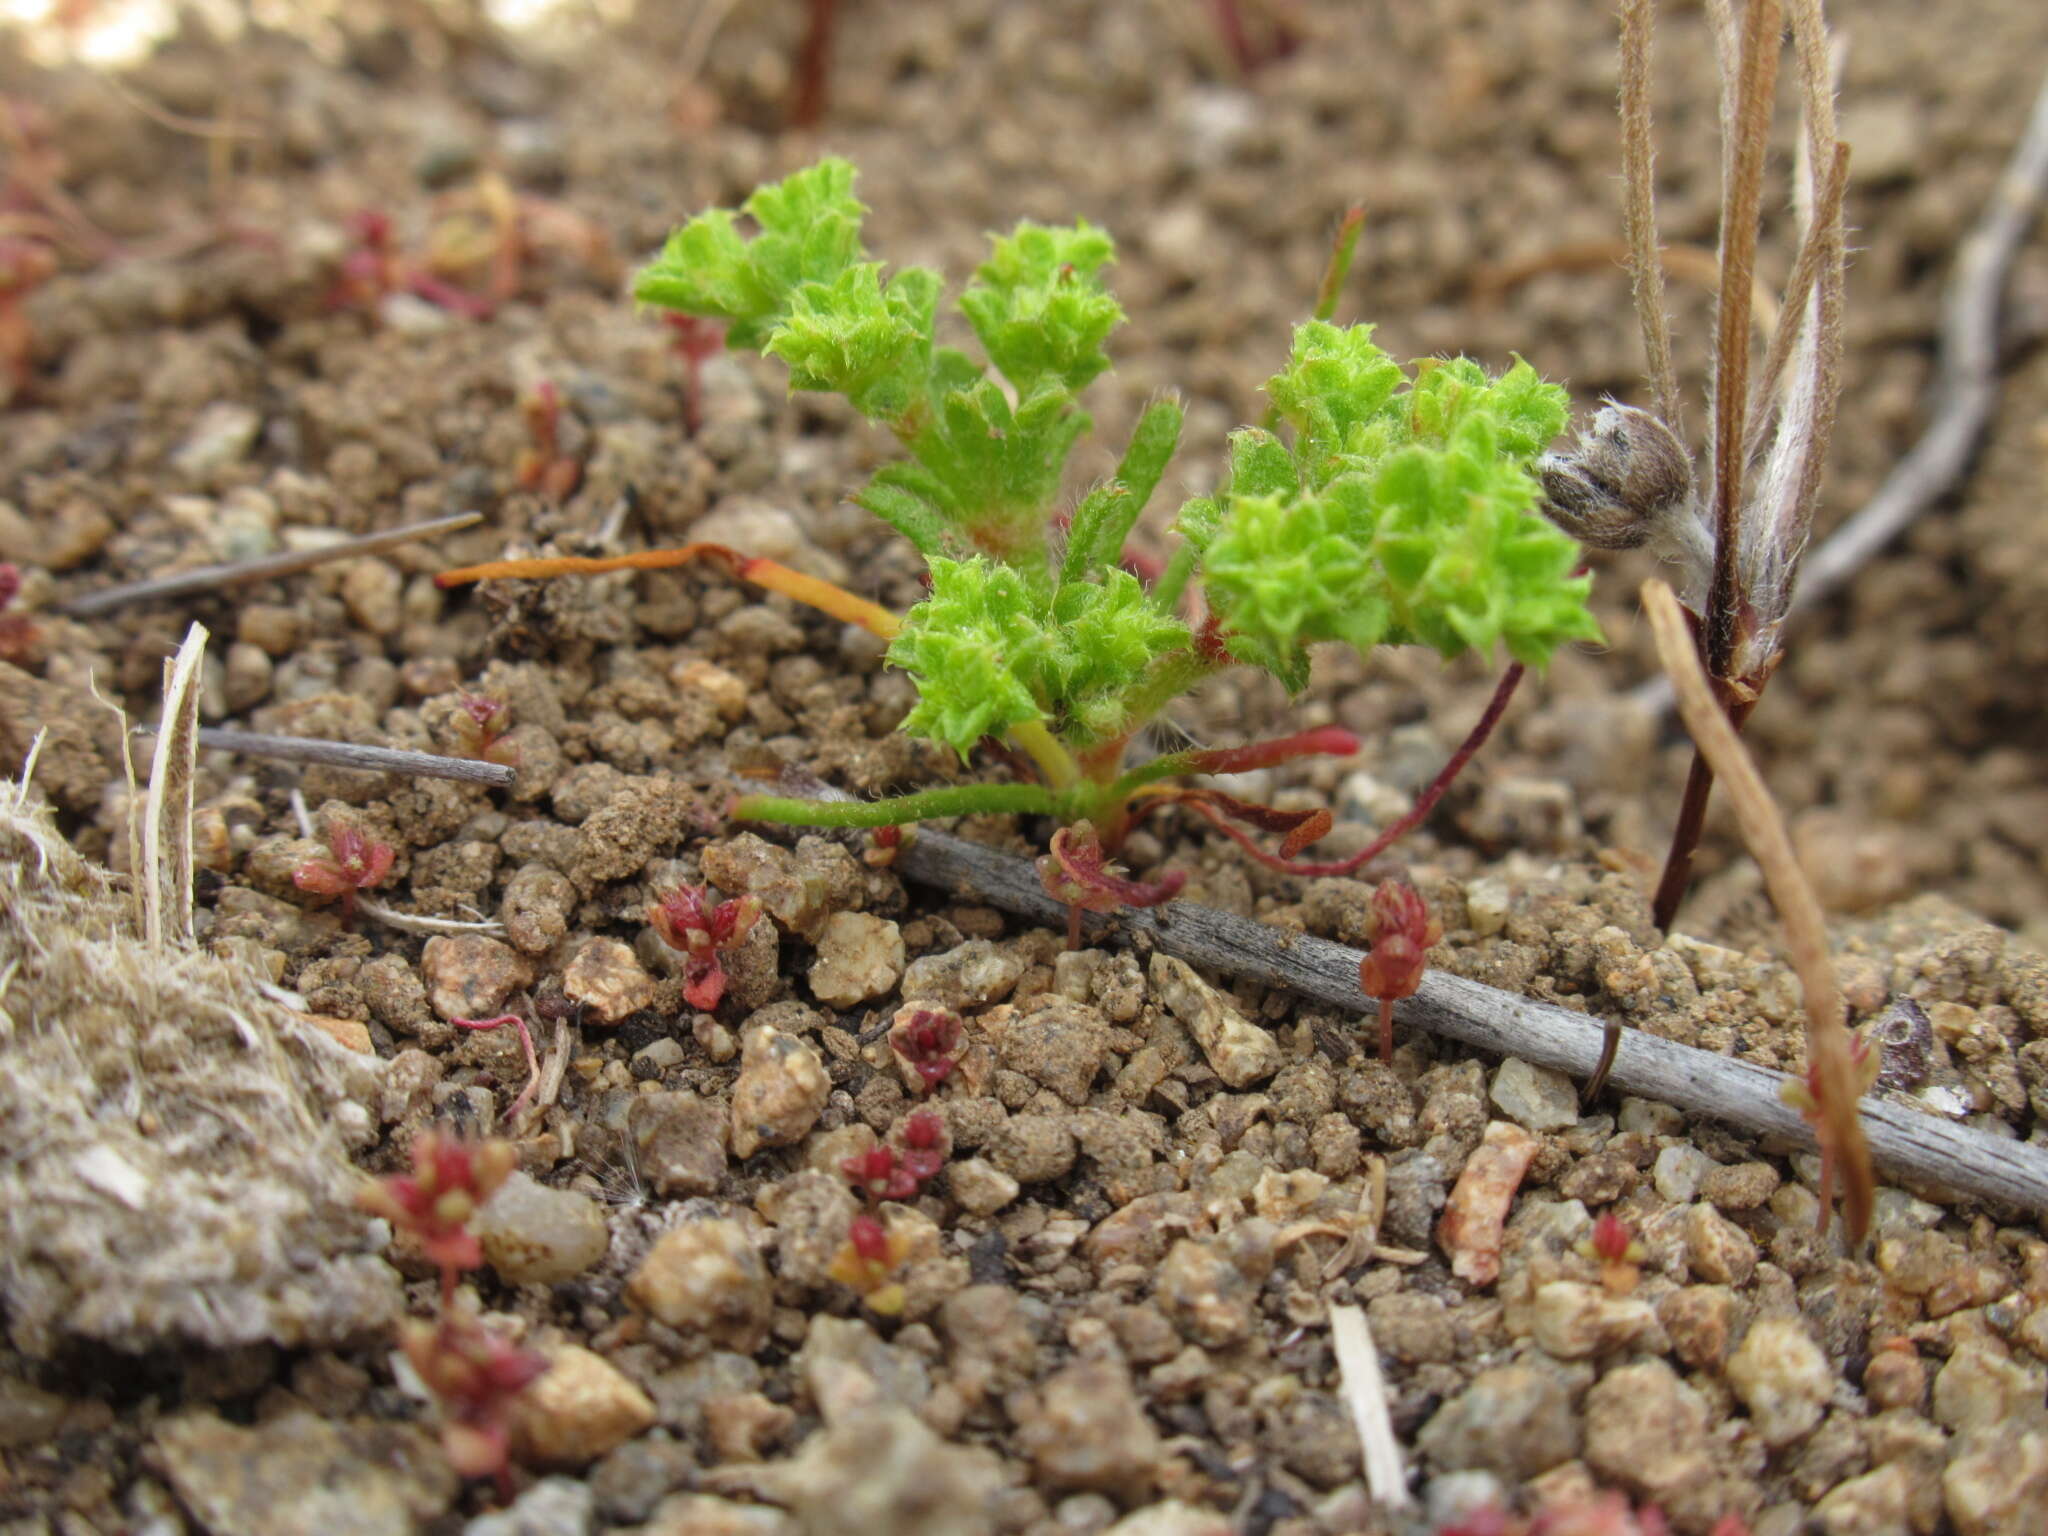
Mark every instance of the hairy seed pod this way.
pixel 1620 485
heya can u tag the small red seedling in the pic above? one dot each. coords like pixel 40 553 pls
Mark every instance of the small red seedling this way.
pixel 479 725
pixel 18 633
pixel 25 265
pixel 1078 873
pixel 867 1262
pixel 884 843
pixel 477 1378
pixel 353 863
pixel 1402 932
pixel 699 933
pixel 697 340
pixel 924 1143
pixel 1613 1245
pixel 375 268
pixel 1831 1122
pixel 526 1041
pixel 543 466
pixel 874 1251
pixel 928 1040
pixel 879 1174
pixel 451 1179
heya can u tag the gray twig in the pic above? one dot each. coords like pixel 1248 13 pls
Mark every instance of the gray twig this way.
pixel 346 754
pixel 1905 1142
pixel 1965 388
pixel 207 578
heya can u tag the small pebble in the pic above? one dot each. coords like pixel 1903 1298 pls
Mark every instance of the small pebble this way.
pixel 469 976
pixel 1535 1098
pixel 860 957
pixel 1677 1173
pixel 971 975
pixel 707 1277
pixel 678 1143
pixel 981 1188
pixel 607 979
pixel 1782 1377
pixel 780 1093
pixel 579 1409
pixel 534 1235
pixel 1238 1050
pixel 554 1506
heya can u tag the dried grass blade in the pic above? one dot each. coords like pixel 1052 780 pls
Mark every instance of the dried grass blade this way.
pixel 1365 1394
pixel 1763 829
pixel 1741 198
pixel 1639 207
pixel 165 873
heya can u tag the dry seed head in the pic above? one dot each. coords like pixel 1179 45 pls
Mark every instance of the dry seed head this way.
pixel 1627 482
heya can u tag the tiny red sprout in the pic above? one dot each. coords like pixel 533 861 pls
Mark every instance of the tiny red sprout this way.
pixel 871 1254
pixel 1730 1524
pixel 1614 1246
pixel 927 1039
pixel 24 266
pixel 1078 873
pixel 17 632
pixel 353 863
pixel 883 846
pixel 696 340
pixel 1612 1238
pixel 686 925
pixel 543 466
pixel 1402 932
pixel 1487 1520
pixel 926 1144
pixel 526 1041
pixel 479 724
pixel 477 1378
pixel 879 1175
pixel 450 1179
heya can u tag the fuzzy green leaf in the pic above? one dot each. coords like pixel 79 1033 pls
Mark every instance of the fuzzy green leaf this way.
pixel 809 233
pixel 1335 382
pixel 987 653
pixel 1103 521
pixel 1039 307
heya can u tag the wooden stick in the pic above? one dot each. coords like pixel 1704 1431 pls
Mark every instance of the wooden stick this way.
pixel 1365 1394
pixel 347 754
pixel 208 577
pixel 1905 1142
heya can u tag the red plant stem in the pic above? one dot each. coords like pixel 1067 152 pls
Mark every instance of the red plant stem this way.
pixel 1692 816
pixel 813 64
pixel 1497 706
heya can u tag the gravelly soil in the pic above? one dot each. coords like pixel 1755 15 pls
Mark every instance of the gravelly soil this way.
pixel 1116 1296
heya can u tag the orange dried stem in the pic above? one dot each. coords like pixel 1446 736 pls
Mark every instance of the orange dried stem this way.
pixel 1844 1151
pixel 811 591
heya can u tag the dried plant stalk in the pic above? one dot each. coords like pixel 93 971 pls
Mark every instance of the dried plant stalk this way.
pixel 1638 159
pixel 1839 1130
pixel 1365 1394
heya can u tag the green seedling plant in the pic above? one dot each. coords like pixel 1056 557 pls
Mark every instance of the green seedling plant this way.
pixel 1382 504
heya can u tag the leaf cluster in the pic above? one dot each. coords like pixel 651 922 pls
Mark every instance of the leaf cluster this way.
pixel 1383 505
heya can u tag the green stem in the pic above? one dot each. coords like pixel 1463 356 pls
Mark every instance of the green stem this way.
pixel 952 800
pixel 1167 679
pixel 1174 579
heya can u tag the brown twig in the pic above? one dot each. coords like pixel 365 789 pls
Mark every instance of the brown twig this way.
pixel 1905 1141
pixel 348 754
pixel 1806 938
pixel 1639 179
pixel 208 577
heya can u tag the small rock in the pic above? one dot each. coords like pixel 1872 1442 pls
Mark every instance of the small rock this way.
pixel 780 1093
pixel 1697 1319
pixel 800 888
pixel 1997 1483
pixel 1782 1377
pixel 1032 1149
pixel 707 1277
pixel 880 1469
pixel 469 976
pixel 679 1143
pixel 581 1408
pixel 659 1056
pixel 1472 1224
pixel 727 693
pixel 533 1235
pixel 298 1475
pixel 608 980
pixel 374 594
pixel 1515 1421
pixel 1647 1117
pixel 969 975
pixel 1739 1186
pixel 1085 1429
pixel 705 1514
pixel 1238 1050
pixel 554 1506
pixel 1876 1504
pixel 859 958
pixel 1571 1320
pixel 222 434
pixel 1677 1173
pixel 1716 1249
pixel 536 908
pixel 981 1188
pixel 743 1426
pixel 1534 815
pixel 1059 1044
pixel 1894 1378
pixel 1206 1295
pixel 1487 901
pixel 1979 1389
pixel 839 1349
pixel 1535 1098
pixel 1647 1430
